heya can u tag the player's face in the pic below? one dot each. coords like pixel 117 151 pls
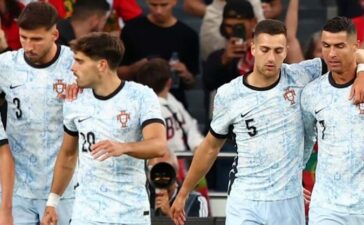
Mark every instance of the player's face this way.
pixel 338 50
pixel 270 52
pixel 37 43
pixel 85 70
pixel 160 11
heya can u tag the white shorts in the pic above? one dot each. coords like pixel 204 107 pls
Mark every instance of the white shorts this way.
pixel 322 216
pixel 249 212
pixel 30 211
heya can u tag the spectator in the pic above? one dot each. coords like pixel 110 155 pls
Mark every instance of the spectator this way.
pixel 182 129
pixel 210 37
pixel 314 47
pixel 359 24
pixel 121 12
pixel 235 59
pixel 9 32
pixel 160 34
pixel 88 16
pixel 349 8
pixel 162 199
pixel 272 9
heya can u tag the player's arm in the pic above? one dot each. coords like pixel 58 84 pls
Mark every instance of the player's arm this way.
pixel 65 163
pixel 7 175
pixel 357 90
pixel 203 159
pixel 154 144
pixel 63 172
pixel 309 122
pixel 294 51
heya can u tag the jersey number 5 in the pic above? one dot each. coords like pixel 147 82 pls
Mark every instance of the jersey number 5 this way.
pixel 252 129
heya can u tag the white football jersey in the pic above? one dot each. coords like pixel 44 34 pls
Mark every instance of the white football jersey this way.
pixel 178 120
pixel 34 117
pixel 268 130
pixel 114 190
pixel 339 124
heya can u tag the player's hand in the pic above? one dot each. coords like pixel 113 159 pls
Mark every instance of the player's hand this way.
pixel 162 201
pixel 357 89
pixel 106 149
pixel 6 217
pixel 50 216
pixel 177 211
pixel 3 41
pixel 70 93
pixel 307 196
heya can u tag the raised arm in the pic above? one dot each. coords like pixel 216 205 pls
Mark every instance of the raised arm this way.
pixel 294 48
pixel 195 7
pixel 203 159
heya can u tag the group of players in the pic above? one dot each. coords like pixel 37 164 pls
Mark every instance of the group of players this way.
pixel 113 126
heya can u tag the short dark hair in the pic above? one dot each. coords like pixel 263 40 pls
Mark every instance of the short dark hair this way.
pixel 339 24
pixel 38 15
pixel 155 74
pixel 100 45
pixel 238 9
pixel 271 27
pixel 83 9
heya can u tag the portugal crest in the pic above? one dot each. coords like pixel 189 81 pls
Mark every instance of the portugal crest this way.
pixel 59 86
pixel 123 118
pixel 290 95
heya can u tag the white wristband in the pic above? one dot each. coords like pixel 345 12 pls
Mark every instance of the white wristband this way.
pixel 53 200
pixel 360 68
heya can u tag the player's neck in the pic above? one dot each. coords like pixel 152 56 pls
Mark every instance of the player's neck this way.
pixel 49 56
pixel 259 80
pixel 346 76
pixel 107 86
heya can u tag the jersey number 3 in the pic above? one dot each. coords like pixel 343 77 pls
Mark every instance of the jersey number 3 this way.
pixel 18 111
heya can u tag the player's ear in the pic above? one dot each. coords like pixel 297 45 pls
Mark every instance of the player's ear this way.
pixel 102 65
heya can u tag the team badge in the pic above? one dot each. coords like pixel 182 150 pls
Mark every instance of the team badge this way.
pixel 59 86
pixel 290 95
pixel 123 118
pixel 361 108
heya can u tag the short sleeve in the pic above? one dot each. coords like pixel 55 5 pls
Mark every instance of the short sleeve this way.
pixel 220 119
pixel 150 111
pixel 68 119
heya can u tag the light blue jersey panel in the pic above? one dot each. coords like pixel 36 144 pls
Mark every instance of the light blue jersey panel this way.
pixel 114 190
pixel 34 118
pixel 269 132
pixel 339 123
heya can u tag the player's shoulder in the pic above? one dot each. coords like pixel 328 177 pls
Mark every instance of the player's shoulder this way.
pixel 11 57
pixel 135 88
pixel 231 89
